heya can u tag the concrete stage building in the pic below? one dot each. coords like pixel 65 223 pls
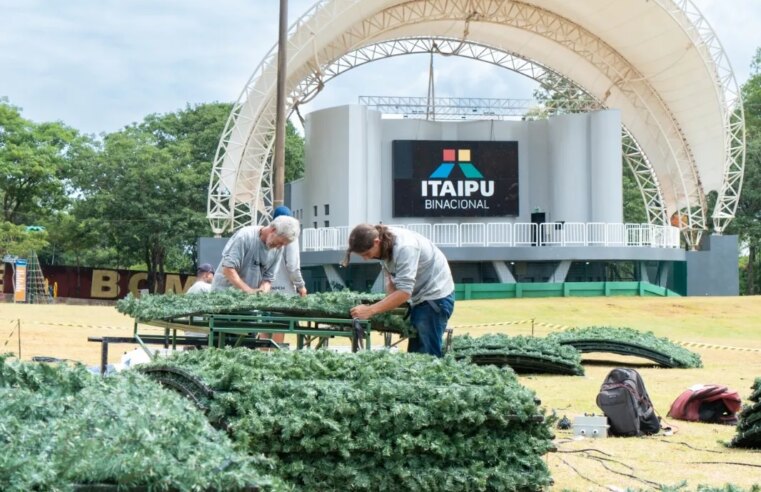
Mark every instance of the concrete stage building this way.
pixel 509 202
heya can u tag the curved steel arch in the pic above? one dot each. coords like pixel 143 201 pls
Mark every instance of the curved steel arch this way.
pixel 633 155
pixel 241 178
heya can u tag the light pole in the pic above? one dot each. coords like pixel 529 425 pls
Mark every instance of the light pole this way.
pixel 278 167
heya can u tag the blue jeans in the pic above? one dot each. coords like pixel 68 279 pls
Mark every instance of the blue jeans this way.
pixel 430 320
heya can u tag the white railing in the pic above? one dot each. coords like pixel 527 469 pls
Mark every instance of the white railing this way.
pixel 575 234
pixel 551 233
pixel 473 234
pixel 329 238
pixel 446 235
pixel 596 234
pixel 424 230
pixel 524 234
pixel 500 234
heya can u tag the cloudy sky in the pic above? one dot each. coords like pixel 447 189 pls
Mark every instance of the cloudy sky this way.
pixel 98 65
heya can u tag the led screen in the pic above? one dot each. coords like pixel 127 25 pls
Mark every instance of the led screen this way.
pixel 435 178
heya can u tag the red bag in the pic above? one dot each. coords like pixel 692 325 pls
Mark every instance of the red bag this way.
pixel 707 403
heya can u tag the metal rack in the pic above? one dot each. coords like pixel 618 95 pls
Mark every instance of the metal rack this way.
pixel 308 330
pixel 241 330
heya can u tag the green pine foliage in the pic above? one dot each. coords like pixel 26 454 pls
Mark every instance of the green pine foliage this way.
pixel 756 388
pixel 62 427
pixel 628 341
pixel 523 354
pixel 749 421
pixel 323 304
pixel 377 421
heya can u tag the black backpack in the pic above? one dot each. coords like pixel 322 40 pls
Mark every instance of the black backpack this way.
pixel 624 400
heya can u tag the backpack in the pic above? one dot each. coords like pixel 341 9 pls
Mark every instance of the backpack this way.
pixel 707 403
pixel 624 400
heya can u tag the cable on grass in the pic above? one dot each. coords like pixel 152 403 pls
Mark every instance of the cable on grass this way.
pixel 690 446
pixel 584 453
pixel 585 450
pixel 629 475
pixel 579 473
pixel 722 463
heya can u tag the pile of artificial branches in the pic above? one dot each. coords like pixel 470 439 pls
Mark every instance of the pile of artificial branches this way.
pixel 749 423
pixel 377 421
pixel 627 341
pixel 62 428
pixel 523 354
pixel 324 304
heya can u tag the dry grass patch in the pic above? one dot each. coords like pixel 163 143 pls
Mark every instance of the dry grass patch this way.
pixel 694 454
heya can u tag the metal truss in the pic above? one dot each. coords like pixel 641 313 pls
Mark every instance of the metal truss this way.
pixel 688 16
pixel 240 186
pixel 646 179
pixel 462 108
pixel 670 146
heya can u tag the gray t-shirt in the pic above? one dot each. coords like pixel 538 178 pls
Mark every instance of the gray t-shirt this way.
pixel 199 287
pixel 249 256
pixel 418 267
pixel 288 277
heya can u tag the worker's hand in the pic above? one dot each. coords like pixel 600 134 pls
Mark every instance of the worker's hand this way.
pixel 265 287
pixel 302 291
pixel 362 311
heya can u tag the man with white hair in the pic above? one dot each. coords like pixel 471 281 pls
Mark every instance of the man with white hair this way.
pixel 288 279
pixel 251 256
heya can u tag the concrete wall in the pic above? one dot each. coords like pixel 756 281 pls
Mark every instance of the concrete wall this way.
pixel 569 166
pixel 714 271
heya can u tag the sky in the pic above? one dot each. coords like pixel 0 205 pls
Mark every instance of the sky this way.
pixel 99 65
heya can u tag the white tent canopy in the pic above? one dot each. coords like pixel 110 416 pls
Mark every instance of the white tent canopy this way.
pixel 657 61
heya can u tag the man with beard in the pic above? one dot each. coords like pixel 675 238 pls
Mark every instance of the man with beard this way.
pixel 251 256
pixel 417 273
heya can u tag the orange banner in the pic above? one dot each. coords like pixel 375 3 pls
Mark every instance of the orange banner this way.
pixel 19 293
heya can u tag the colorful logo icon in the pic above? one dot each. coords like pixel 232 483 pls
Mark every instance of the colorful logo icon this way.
pixel 462 161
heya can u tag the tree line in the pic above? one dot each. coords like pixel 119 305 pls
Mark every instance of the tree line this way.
pixel 132 199
pixel 136 198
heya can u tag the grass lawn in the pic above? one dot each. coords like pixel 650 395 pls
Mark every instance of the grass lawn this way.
pixel 725 331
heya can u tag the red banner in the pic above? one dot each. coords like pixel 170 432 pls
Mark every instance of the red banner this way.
pixel 99 283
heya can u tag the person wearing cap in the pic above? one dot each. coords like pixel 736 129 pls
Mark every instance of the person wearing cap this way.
pixel 288 279
pixel 416 272
pixel 204 275
pixel 252 255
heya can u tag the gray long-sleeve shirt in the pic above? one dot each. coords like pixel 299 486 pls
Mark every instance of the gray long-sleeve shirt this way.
pixel 418 267
pixel 249 256
pixel 288 277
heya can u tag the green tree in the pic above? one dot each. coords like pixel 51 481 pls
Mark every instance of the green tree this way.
pixel 634 205
pixel 34 159
pixel 144 196
pixel 747 222
pixel 135 198
pixel 294 153
pixel 16 240
pixel 142 199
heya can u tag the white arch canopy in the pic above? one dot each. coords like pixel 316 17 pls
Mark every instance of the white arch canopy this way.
pixel 658 62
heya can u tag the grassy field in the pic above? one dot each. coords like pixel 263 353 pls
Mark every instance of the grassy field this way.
pixel 726 332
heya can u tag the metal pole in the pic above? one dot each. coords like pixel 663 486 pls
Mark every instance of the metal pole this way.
pixel 278 168
pixel 18 327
